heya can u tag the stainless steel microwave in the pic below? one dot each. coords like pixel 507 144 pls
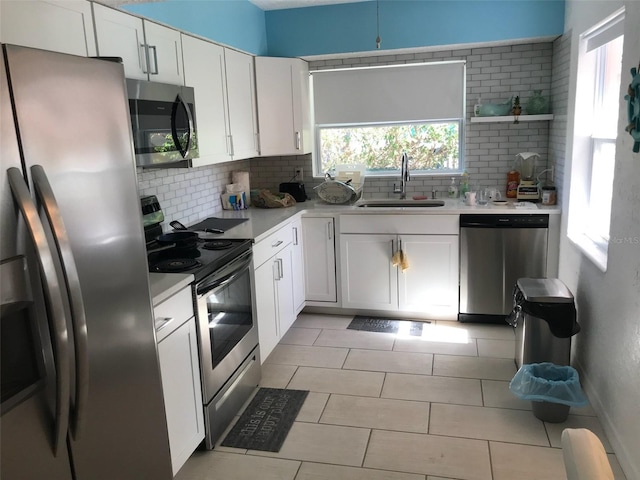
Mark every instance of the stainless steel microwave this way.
pixel 163 120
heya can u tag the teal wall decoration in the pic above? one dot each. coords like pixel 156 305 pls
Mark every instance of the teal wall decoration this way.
pixel 633 107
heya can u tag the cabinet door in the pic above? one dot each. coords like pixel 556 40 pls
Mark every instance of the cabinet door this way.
pixel 319 259
pixel 274 90
pixel 266 307
pixel 369 280
pixel 301 106
pixel 55 25
pixel 121 35
pixel 241 97
pixel 297 267
pixel 165 53
pixel 284 290
pixel 430 284
pixel 180 371
pixel 204 71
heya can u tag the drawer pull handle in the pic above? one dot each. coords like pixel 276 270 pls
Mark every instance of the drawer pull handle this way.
pixel 162 322
pixel 277 244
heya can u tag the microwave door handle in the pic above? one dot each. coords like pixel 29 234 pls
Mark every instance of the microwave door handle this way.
pixel 179 102
pixel 222 280
pixel 53 295
pixel 45 195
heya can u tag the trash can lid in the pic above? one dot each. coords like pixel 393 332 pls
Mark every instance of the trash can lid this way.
pixel 544 290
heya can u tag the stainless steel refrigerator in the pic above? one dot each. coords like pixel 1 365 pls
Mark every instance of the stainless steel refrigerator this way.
pixel 81 389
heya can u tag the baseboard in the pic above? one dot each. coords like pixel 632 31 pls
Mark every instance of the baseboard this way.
pixel 623 454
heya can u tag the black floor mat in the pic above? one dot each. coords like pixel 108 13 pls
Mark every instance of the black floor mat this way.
pixel 385 325
pixel 266 421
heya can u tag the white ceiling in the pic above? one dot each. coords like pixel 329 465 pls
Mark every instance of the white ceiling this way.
pixel 281 4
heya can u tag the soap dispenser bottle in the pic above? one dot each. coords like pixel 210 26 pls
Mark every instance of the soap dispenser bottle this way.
pixel 452 191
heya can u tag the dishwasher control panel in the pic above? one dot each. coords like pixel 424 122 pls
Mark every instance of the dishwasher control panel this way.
pixel 504 221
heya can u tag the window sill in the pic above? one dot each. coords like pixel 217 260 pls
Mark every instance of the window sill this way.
pixel 593 251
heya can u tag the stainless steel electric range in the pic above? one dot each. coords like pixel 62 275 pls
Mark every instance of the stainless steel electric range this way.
pixel 225 316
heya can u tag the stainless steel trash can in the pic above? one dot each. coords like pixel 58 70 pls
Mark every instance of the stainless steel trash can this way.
pixel 544 317
pixel 546 322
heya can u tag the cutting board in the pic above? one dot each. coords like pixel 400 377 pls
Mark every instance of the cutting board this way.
pixel 223 224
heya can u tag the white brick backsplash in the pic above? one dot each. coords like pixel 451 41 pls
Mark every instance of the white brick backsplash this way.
pixel 495 73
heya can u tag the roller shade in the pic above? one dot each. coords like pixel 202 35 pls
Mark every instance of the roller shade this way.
pixel 605 33
pixel 398 93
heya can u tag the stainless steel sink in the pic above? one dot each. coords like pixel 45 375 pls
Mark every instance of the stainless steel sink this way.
pixel 399 203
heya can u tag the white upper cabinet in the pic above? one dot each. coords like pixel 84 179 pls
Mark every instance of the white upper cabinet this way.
pixel 164 47
pixel 204 70
pixel 282 86
pixel 149 51
pixel 64 26
pixel 241 94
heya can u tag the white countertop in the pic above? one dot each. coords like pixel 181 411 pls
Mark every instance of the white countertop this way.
pixel 263 221
pixel 164 285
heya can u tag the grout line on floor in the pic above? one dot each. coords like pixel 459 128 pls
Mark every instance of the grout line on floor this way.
pixel 490 462
pixel 294 374
pixel 366 448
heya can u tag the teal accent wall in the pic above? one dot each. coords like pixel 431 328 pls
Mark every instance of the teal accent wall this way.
pixel 237 23
pixel 408 23
pixel 351 27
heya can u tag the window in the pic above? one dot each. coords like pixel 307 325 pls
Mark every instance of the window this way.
pixel 371 115
pixel 597 107
pixel 432 147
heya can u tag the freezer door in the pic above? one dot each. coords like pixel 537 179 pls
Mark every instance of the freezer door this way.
pixel 33 442
pixel 73 120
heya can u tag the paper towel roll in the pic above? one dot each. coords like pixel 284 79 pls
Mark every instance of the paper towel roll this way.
pixel 243 179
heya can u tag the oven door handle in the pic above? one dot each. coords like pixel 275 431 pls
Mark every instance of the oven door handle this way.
pixel 225 276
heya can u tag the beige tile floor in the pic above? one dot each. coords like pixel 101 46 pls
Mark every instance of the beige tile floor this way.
pixel 382 407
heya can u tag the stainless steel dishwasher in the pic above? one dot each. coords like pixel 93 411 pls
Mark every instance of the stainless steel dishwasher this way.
pixel 496 250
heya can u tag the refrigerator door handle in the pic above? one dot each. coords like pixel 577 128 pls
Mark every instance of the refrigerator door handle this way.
pixel 179 102
pixel 44 193
pixel 53 295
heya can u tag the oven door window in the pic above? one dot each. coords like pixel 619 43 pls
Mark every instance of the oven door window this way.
pixel 230 315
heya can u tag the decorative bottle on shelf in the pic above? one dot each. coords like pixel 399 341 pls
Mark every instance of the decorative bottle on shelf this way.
pixel 452 191
pixel 477 106
pixel 517 109
pixel 537 104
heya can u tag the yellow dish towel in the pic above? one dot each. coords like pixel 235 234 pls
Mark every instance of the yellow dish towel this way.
pixel 400 259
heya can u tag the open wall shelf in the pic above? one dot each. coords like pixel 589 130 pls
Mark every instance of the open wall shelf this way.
pixel 509 118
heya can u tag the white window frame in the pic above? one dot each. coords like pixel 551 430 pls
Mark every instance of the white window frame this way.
pixel 395 120
pixel 587 137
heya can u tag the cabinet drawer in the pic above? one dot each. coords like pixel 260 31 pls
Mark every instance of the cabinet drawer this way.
pixel 401 224
pixel 178 308
pixel 267 248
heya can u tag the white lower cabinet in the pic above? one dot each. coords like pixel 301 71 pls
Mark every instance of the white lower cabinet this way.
pixel 428 288
pixel 297 266
pixel 319 259
pixel 180 371
pixel 370 280
pixel 274 277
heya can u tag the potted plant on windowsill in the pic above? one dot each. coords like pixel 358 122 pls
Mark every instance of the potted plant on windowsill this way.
pixel 517 109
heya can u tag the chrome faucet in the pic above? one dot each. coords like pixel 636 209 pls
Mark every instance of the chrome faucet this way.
pixel 404 176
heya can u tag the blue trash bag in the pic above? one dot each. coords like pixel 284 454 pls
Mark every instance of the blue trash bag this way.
pixel 547 382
